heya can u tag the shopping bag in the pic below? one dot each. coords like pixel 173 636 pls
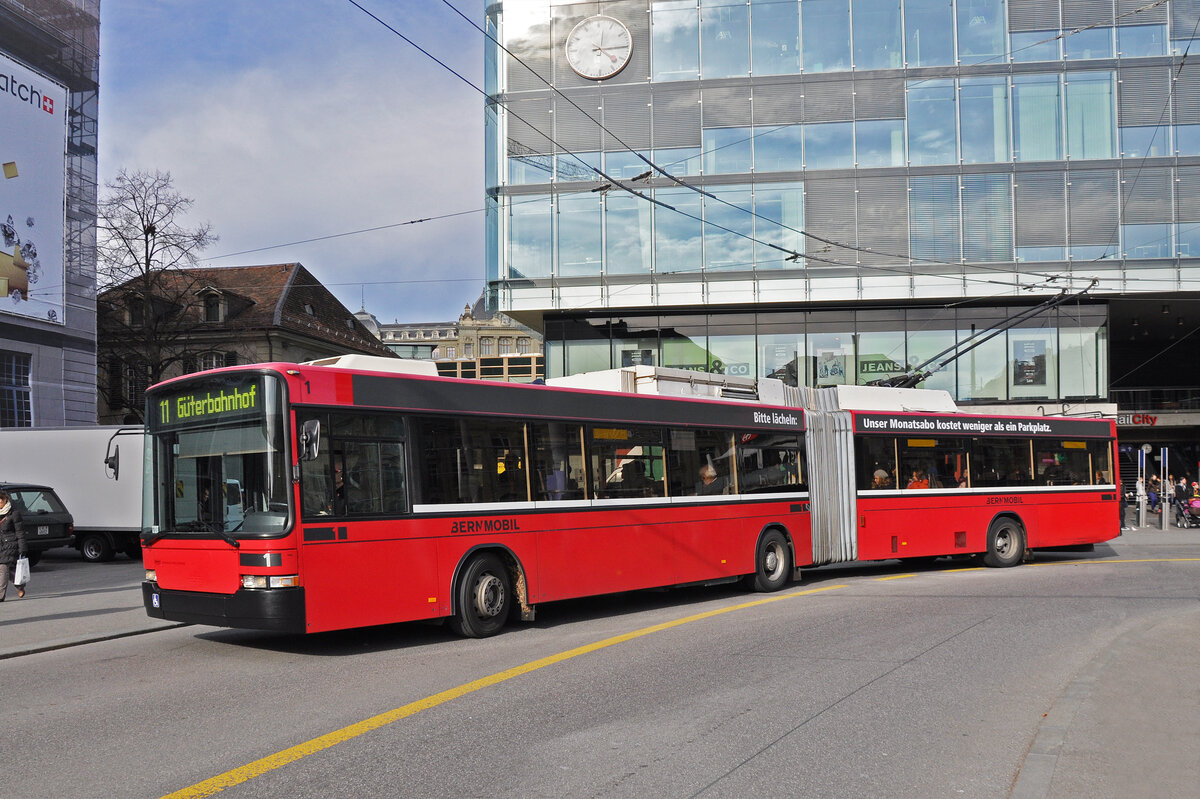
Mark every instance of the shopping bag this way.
pixel 21 575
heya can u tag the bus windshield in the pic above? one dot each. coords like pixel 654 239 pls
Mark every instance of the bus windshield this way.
pixel 216 445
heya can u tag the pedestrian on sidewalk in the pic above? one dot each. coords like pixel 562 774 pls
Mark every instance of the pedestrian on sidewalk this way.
pixel 1124 503
pixel 12 543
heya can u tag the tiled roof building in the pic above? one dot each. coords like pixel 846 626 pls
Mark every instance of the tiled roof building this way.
pixel 219 317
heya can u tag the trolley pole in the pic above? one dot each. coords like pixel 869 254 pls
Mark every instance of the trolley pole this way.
pixel 1140 487
pixel 1163 510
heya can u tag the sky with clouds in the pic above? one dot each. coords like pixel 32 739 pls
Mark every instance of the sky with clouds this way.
pixel 288 121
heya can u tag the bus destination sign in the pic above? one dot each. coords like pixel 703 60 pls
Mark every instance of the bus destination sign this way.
pixel 209 403
pixel 963 425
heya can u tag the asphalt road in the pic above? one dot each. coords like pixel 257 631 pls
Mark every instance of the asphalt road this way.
pixel 1072 676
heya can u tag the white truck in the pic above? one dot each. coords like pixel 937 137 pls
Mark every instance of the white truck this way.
pixel 96 471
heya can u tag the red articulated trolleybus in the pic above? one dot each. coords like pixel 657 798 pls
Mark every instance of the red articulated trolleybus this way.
pixel 362 491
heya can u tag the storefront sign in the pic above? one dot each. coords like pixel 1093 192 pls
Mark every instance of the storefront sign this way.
pixel 1143 419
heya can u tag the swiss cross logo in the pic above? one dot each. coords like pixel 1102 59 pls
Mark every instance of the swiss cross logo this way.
pixel 48 104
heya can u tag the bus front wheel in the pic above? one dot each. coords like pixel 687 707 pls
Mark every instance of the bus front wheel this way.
pixel 1005 543
pixel 772 563
pixel 484 598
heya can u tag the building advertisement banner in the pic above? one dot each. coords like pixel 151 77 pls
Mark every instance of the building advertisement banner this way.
pixel 33 144
pixel 1029 362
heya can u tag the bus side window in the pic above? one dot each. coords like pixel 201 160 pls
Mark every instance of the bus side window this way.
pixel 999 462
pixel 876 467
pixel 627 462
pixel 557 461
pixel 701 463
pixel 769 462
pixel 316 482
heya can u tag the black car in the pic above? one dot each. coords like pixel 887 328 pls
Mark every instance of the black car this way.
pixel 47 522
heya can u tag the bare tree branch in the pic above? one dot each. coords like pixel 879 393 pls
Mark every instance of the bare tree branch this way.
pixel 148 309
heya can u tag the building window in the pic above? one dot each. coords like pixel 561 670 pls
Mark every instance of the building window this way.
pixel 829 145
pixel 1029 46
pixel 880 142
pixel 825 32
pixel 468 350
pixel 211 360
pixel 983 119
pixel 212 308
pixel 932 134
pixel 981 31
pixel 778 149
pixel 530 237
pixel 485 346
pixel 877 34
pixel 308 309
pixel 934 218
pixel 579 234
pixel 775 37
pixel 676 40
pixel 523 346
pixel 1135 41
pixel 929 32
pixel 727 150
pixel 1037 118
pixel 728 215
pixel 451 352
pixel 505 345
pixel 16 404
pixel 724 40
pixel 1091 117
pixel 134 381
pixel 137 312
pixel 1088 43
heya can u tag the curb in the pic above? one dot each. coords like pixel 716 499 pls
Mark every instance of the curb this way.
pixel 65 643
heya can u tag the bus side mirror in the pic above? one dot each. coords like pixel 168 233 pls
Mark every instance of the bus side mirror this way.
pixel 310 440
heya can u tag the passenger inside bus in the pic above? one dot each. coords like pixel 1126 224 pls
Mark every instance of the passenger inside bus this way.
pixel 634 482
pixel 710 483
pixel 881 480
pixel 919 480
pixel 510 483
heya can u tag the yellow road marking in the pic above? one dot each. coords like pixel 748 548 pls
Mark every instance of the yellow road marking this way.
pixel 279 759
pixel 1130 560
pixel 895 577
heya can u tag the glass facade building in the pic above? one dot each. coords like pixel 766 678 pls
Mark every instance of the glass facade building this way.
pixel 843 188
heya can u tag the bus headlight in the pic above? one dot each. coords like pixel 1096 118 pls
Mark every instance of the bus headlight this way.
pixel 273 581
pixel 151 576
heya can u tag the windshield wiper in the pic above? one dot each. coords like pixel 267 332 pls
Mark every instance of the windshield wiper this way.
pixel 191 527
pixel 228 539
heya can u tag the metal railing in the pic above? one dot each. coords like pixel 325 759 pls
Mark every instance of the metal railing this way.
pixel 1158 398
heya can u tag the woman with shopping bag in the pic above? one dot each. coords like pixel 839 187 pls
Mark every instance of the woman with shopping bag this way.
pixel 12 544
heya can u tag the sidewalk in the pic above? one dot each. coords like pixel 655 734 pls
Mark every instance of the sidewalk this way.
pixel 58 611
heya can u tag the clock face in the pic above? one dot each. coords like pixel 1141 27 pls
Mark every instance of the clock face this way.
pixel 599 47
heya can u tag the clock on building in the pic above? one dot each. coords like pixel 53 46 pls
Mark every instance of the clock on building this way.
pixel 599 47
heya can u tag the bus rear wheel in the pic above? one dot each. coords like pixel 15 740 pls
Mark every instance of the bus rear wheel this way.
pixel 772 564
pixel 484 598
pixel 1005 543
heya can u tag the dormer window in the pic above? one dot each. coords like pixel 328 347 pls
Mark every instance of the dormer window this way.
pixel 308 309
pixel 212 308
